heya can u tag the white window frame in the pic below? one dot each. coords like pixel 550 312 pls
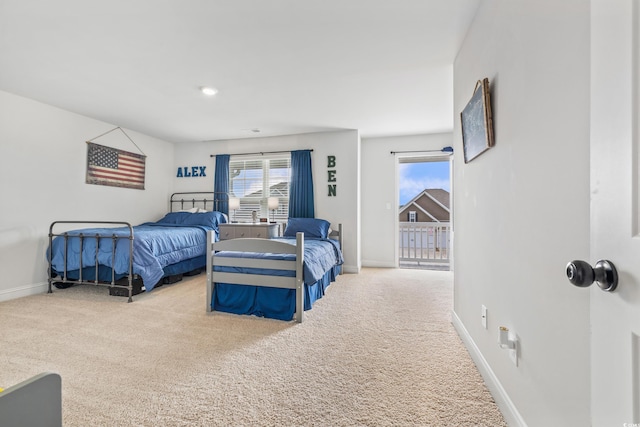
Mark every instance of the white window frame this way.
pixel 257 199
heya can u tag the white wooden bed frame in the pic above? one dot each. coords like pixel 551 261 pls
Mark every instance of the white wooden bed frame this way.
pixel 261 246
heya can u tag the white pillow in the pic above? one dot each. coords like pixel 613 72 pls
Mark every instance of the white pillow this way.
pixel 192 210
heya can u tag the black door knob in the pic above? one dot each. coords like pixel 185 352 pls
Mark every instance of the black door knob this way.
pixel 604 273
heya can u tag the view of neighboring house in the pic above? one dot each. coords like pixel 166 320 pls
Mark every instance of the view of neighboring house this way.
pixel 424 229
pixel 430 205
pixel 258 202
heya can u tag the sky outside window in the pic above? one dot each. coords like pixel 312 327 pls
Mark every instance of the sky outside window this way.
pixel 416 177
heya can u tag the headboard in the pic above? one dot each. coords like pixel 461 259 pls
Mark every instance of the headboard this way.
pixel 207 200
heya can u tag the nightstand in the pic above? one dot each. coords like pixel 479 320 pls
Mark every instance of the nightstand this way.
pixel 260 230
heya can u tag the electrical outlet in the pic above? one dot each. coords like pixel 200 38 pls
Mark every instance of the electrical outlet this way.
pixel 484 316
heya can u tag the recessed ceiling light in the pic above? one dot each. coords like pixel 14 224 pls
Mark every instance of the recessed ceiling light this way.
pixel 209 91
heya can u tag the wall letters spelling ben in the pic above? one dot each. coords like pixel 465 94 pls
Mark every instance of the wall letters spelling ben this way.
pixel 331 172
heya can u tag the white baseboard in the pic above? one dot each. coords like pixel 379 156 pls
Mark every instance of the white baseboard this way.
pixel 350 269
pixel 378 264
pixel 23 291
pixel 508 409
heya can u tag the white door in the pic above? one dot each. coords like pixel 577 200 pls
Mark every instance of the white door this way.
pixel 615 210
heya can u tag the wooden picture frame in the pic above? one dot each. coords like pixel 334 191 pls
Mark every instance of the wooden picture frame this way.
pixel 477 122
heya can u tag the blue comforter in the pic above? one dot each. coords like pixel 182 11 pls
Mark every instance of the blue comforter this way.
pixel 320 255
pixel 155 246
pixel 322 261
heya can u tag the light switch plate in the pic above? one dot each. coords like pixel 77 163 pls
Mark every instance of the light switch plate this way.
pixel 484 316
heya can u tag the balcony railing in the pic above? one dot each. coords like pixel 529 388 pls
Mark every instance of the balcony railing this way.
pixel 425 243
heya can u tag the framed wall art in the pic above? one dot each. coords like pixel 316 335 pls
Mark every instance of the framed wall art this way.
pixel 477 122
pixel 115 168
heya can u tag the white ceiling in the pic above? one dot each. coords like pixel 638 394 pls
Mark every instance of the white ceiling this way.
pixel 282 66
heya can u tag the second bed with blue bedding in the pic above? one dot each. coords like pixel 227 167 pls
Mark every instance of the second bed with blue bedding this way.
pixel 276 278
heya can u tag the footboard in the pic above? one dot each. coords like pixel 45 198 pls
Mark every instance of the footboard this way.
pixel 61 278
pixel 259 246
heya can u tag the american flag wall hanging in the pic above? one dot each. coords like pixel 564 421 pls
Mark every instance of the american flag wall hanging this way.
pixel 113 167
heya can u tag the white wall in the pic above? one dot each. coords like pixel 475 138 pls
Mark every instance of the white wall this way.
pixel 43 154
pixel 345 145
pixel 379 192
pixel 522 208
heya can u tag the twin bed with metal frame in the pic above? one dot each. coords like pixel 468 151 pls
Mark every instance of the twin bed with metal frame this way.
pixel 119 254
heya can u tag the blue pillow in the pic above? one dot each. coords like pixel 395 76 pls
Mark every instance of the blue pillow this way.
pixel 207 219
pixel 311 227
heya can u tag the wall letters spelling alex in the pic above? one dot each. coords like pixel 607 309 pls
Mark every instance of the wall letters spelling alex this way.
pixel 193 171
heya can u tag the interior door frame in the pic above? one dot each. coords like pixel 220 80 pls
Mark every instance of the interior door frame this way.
pixel 615 221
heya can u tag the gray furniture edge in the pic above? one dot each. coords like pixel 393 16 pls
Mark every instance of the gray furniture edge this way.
pixel 36 402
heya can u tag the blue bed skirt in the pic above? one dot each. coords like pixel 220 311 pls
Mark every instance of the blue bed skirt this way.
pixel 274 303
pixel 104 272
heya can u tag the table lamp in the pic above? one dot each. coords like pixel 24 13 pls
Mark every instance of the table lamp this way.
pixel 272 204
pixel 234 203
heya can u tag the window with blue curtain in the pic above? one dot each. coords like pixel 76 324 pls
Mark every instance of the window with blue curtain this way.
pixel 221 183
pixel 301 204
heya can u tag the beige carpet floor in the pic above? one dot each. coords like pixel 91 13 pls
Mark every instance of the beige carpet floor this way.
pixel 377 350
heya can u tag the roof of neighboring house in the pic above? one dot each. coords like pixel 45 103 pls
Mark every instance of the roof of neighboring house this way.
pixel 433 202
pixel 276 190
